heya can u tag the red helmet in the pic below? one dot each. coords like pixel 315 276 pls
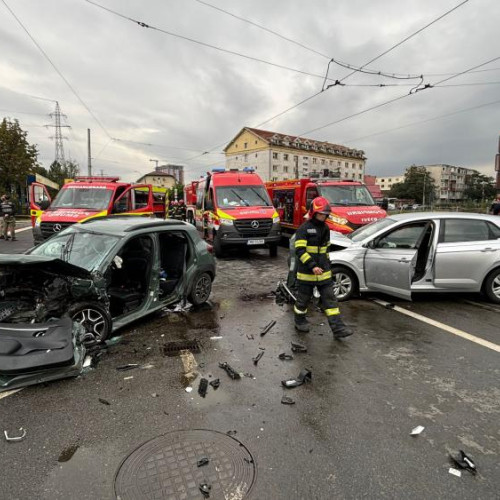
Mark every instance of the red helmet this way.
pixel 319 205
pixel 181 202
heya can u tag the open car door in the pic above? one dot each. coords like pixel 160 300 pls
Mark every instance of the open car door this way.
pixel 135 200
pixel 390 259
pixel 39 200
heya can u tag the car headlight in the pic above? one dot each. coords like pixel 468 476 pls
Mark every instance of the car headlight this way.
pixel 276 220
pixel 38 221
pixel 225 222
pixel 337 219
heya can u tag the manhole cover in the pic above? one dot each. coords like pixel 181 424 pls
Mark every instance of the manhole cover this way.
pixel 166 468
pixel 175 347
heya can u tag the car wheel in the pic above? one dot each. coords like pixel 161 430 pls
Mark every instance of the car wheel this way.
pixel 201 289
pixel 218 250
pixel 93 317
pixel 273 250
pixel 345 283
pixel 492 286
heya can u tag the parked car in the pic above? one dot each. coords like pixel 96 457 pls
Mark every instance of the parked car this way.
pixel 418 252
pixel 106 273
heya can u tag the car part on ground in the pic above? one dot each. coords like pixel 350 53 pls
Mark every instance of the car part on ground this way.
pixel 304 376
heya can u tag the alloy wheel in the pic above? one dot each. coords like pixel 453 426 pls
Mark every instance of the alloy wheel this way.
pixel 93 321
pixel 203 288
pixel 342 285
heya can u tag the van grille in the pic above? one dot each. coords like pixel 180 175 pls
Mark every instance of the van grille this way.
pixel 47 228
pixel 247 229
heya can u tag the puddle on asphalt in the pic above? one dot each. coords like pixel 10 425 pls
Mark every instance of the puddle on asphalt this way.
pixel 67 454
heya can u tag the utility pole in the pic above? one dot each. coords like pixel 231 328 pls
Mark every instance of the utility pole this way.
pixel 89 161
pixel 497 167
pixel 156 163
pixel 423 194
pixel 58 137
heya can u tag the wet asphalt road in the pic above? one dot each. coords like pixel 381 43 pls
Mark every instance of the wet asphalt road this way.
pixel 347 436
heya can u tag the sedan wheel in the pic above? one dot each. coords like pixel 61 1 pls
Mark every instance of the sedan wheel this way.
pixel 344 283
pixel 202 288
pixel 94 319
pixel 492 286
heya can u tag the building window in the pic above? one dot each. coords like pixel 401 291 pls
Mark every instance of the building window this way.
pixel 360 166
pixel 346 164
pixel 275 156
pixel 360 177
pixel 245 157
pixel 314 161
pixel 285 157
pixel 285 169
pixel 295 158
pixel 256 154
pixel 322 162
pixel 255 142
pixel 245 145
pixel 306 158
pixel 275 168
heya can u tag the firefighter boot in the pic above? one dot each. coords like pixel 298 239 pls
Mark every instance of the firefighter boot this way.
pixel 301 323
pixel 339 329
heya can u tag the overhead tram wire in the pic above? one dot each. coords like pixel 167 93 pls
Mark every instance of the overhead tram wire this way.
pixel 75 93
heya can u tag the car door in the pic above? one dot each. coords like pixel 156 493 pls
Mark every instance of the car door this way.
pixel 135 200
pixel 390 259
pixel 467 250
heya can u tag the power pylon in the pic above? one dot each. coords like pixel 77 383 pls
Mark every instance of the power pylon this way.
pixel 58 137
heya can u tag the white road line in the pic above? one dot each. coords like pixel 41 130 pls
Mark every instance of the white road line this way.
pixel 9 393
pixel 483 306
pixel 438 324
pixel 23 229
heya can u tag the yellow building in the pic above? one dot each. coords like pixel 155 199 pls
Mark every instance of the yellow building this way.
pixel 277 157
pixel 158 179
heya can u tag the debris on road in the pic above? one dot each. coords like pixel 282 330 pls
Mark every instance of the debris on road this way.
pixel 203 461
pixel 463 461
pixel 129 366
pixel 230 371
pixel 284 295
pixel 215 384
pixel 285 400
pixel 231 433
pixel 455 472
pixel 205 489
pixel 15 438
pixel 104 401
pixel 285 357
pixel 217 337
pixel 154 395
pixel 267 328
pixel 128 378
pixel 189 388
pixel 304 376
pixel 202 388
pixel 250 336
pixel 298 347
pixel 189 366
pixel 87 362
pixel 417 430
pixel 257 358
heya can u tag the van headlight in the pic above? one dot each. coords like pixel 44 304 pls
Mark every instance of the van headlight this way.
pixel 226 222
pixel 276 219
pixel 337 219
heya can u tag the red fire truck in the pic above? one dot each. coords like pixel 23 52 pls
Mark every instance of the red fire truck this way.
pixel 232 208
pixel 190 200
pixel 87 198
pixel 351 202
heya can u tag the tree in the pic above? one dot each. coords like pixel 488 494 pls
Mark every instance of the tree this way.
pixel 18 157
pixel 418 185
pixel 59 172
pixel 480 187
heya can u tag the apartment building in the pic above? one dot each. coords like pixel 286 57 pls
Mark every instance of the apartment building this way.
pixel 277 157
pixel 386 183
pixel 450 181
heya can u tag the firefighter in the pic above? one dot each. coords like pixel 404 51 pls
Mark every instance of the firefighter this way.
pixel 181 210
pixel 9 219
pixel 172 210
pixel 311 246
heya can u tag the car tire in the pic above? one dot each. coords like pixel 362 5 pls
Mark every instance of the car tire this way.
pixel 492 286
pixel 93 317
pixel 273 250
pixel 345 284
pixel 201 289
pixel 218 250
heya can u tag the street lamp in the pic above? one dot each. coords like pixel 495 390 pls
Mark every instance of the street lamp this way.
pixel 156 163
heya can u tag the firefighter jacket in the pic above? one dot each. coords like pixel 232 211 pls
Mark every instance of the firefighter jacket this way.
pixel 311 246
pixel 7 209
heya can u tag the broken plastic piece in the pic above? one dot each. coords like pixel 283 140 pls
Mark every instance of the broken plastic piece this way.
pixel 464 462
pixel 455 472
pixel 285 357
pixel 298 347
pixel 417 430
pixel 202 388
pixel 230 371
pixel 285 400
pixel 129 366
pixel 203 461
pixel 267 328
pixel 257 358
pixel 250 336
pixel 87 362
pixel 304 376
pixel 215 383
pixel 104 401
pixel 15 438
pixel 231 433
pixel 189 388
pixel 205 489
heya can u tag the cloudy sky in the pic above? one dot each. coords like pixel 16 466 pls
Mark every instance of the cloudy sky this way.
pixel 146 94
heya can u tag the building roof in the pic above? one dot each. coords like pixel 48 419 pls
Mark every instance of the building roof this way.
pixel 302 143
pixel 157 174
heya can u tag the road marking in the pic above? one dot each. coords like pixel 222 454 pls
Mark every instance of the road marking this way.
pixel 23 229
pixel 483 306
pixel 438 324
pixel 9 393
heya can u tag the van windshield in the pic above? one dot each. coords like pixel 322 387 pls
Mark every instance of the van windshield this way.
pixel 349 196
pixel 90 198
pixel 242 196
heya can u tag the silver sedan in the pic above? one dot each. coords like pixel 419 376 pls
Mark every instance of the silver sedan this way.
pixel 425 252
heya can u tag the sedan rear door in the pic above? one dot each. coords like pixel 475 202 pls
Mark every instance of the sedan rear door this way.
pixel 391 258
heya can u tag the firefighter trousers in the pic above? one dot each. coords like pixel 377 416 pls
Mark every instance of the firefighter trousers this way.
pixel 328 301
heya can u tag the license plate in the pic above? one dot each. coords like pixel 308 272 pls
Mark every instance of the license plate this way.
pixel 255 242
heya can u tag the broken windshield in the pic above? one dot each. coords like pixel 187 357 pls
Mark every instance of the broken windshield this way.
pixel 349 196
pixel 90 198
pixel 80 248
pixel 242 196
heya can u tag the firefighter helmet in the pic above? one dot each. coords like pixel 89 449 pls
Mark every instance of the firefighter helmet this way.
pixel 319 205
pixel 181 202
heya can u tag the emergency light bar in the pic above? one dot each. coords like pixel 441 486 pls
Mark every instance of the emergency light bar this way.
pixel 249 170
pixel 96 179
pixel 218 170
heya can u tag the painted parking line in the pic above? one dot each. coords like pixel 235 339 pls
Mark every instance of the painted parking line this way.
pixel 487 307
pixel 438 324
pixel 23 229
pixel 9 393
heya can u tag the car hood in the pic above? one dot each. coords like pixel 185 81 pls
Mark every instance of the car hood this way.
pixel 44 263
pixel 340 240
